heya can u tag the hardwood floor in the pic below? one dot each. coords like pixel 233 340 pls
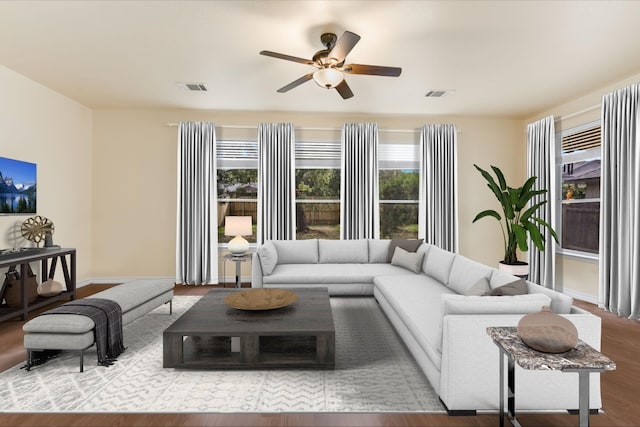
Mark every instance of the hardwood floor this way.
pixel 620 391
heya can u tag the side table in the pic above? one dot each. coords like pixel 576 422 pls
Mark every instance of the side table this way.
pixel 582 359
pixel 238 259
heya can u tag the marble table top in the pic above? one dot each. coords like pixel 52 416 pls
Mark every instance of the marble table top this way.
pixel 582 356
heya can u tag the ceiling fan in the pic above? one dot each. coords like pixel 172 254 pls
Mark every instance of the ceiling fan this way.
pixel 330 64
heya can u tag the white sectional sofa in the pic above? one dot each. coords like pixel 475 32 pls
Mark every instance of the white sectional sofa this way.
pixel 432 297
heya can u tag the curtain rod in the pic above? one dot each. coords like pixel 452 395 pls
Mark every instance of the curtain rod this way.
pixel 305 128
pixel 577 113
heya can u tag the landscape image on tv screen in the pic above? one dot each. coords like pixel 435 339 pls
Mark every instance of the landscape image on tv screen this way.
pixel 17 187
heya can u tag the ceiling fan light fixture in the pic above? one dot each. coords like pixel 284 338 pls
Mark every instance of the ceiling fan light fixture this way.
pixel 328 77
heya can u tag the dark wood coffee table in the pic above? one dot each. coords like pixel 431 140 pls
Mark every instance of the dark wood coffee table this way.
pixel 213 335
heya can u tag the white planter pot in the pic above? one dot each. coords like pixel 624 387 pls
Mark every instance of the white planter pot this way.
pixel 521 269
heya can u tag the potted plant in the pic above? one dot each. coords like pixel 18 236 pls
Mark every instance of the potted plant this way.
pixel 520 221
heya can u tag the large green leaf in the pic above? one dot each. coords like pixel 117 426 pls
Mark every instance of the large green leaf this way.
pixel 536 237
pixel 529 212
pixel 505 201
pixel 490 182
pixel 548 226
pixel 488 212
pixel 526 196
pixel 528 184
pixel 521 236
pixel 501 180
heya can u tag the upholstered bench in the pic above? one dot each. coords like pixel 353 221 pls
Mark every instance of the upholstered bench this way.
pixel 71 332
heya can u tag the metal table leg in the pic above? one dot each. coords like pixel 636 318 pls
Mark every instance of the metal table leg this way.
pixel 501 411
pixel 238 267
pixel 511 389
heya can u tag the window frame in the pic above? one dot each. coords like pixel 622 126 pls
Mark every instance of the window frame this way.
pixel 318 154
pixel 243 156
pixel 561 159
pixel 399 155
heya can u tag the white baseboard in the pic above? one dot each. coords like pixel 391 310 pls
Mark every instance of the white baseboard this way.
pixel 581 296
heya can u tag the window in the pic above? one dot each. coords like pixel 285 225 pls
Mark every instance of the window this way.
pixel 237 184
pixel 580 207
pixel 399 185
pixel 317 190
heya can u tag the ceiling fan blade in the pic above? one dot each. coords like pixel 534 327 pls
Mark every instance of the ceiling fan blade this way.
pixel 344 90
pixel 374 70
pixel 287 57
pixel 295 83
pixel 343 46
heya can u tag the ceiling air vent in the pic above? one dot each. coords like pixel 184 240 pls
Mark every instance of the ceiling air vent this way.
pixel 193 87
pixel 436 93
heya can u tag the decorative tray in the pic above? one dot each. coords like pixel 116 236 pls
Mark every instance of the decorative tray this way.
pixel 261 299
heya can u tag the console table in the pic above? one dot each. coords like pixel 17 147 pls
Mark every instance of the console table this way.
pixel 582 359
pixel 49 259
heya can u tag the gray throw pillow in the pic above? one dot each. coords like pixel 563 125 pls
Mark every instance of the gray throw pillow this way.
pixel 409 260
pixel 268 257
pixel 409 245
pixel 481 287
pixel 519 287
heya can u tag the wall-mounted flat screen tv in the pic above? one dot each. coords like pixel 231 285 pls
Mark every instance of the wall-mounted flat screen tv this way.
pixel 17 187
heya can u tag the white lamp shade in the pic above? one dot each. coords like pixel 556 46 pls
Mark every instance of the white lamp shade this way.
pixel 237 226
pixel 328 77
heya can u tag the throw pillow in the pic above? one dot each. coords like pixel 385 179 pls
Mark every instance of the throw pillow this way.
pixel 409 245
pixel 519 287
pixel 409 260
pixel 268 258
pixel 481 287
pixel 49 288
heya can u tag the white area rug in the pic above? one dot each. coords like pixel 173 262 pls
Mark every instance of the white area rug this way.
pixel 374 373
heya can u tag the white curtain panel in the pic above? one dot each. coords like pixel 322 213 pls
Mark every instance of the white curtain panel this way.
pixel 359 207
pixel 197 226
pixel 620 203
pixel 541 158
pixel 438 198
pixel 276 182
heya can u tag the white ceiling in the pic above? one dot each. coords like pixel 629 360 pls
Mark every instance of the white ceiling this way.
pixel 502 58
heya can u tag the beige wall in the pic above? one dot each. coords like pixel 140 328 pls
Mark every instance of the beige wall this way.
pixel 134 178
pixel 576 276
pixel 41 126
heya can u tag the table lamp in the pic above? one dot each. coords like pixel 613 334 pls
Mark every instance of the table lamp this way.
pixel 238 226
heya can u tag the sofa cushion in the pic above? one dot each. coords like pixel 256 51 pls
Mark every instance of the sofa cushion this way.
pixel 499 278
pixel 516 304
pixel 409 245
pixel 297 251
pixel 438 264
pixel 517 287
pixel 481 287
pixel 409 260
pixel 59 324
pixel 378 250
pixel 465 273
pixel 424 248
pixel 268 257
pixel 136 292
pixel 416 299
pixel 331 273
pixel 343 251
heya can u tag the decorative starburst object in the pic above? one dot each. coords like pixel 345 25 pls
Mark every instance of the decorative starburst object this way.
pixel 37 228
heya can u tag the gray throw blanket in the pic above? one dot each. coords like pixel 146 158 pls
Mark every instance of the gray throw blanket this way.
pixel 107 316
